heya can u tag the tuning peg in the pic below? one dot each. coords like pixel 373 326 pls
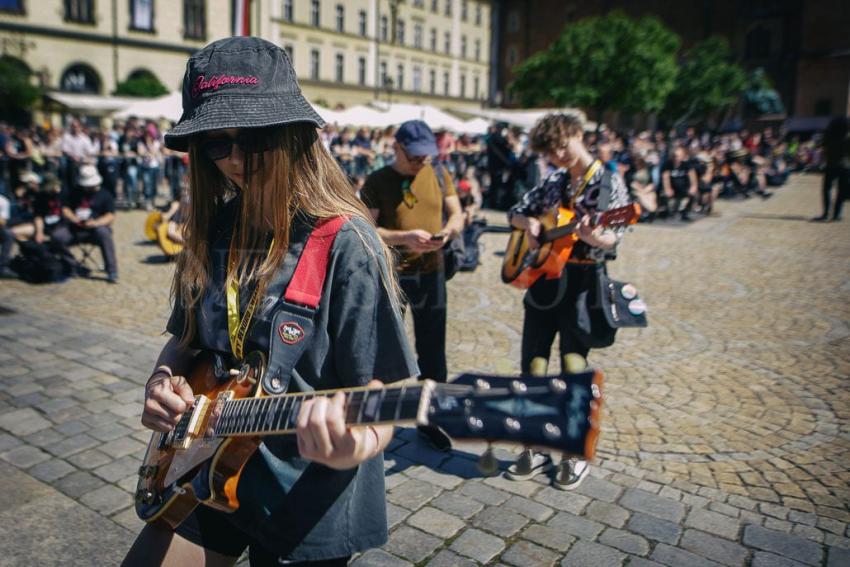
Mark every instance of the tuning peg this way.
pixel 539 366
pixel 574 363
pixel 488 465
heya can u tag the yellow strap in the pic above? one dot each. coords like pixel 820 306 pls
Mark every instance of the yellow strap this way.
pixel 588 175
pixel 237 328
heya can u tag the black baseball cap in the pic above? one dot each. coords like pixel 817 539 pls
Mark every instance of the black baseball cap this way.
pixel 417 138
pixel 239 82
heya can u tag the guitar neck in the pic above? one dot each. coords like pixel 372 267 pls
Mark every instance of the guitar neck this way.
pixel 559 232
pixel 276 415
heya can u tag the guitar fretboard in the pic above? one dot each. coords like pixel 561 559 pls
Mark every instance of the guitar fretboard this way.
pixel 279 414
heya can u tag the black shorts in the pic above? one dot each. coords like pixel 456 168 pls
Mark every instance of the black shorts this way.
pixel 213 530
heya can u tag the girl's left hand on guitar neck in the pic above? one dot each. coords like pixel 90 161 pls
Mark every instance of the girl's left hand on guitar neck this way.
pixel 323 436
pixel 595 236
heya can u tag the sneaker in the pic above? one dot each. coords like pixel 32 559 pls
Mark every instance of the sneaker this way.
pixel 112 278
pixel 528 465
pixel 435 437
pixel 570 473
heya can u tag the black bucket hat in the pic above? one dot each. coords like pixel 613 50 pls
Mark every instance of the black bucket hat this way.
pixel 239 82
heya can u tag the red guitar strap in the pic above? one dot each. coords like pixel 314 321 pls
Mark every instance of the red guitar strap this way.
pixel 305 287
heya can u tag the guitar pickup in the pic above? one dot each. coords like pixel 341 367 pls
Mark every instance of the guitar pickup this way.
pixel 194 427
pixel 147 471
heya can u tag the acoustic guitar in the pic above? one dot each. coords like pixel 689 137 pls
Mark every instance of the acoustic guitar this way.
pixel 200 461
pixel 168 246
pixel 523 265
pixel 152 222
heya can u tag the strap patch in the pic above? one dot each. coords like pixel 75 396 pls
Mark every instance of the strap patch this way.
pixel 290 332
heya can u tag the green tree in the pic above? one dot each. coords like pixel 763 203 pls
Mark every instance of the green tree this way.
pixel 17 93
pixel 609 62
pixel 141 84
pixel 708 81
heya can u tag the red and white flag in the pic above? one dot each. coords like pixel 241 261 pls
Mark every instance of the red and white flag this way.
pixel 241 17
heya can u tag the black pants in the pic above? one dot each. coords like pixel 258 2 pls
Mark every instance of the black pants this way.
pixel 550 308
pixel 425 295
pixel 829 177
pixel 6 240
pixel 101 236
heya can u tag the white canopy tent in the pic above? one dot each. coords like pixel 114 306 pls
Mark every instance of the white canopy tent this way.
pixel 525 119
pixel 168 106
pixel 90 104
pixel 435 118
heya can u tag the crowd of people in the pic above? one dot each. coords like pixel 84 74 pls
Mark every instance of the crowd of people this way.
pixel 674 174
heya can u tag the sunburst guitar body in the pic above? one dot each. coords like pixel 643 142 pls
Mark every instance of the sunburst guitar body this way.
pixel 523 265
pixel 168 246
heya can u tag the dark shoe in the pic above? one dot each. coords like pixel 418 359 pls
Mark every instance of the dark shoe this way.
pixel 822 218
pixel 570 474
pixel 112 278
pixel 435 437
pixel 8 273
pixel 686 218
pixel 81 271
pixel 528 465
pixel 836 219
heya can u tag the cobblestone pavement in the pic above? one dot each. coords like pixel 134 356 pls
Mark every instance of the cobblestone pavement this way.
pixel 725 435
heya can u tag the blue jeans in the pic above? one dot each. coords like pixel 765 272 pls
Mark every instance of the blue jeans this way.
pixel 150 176
pixel 131 183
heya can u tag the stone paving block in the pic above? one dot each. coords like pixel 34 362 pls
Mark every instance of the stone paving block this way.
pixel 499 521
pixel 72 427
pixel 838 557
pixel 434 477
pixel 461 468
pixel 783 544
pixel 778 525
pixel 24 456
pixel 526 489
pixel 654 505
pixel 483 493
pixel 764 559
pixel 419 452
pixel 575 525
pixel 599 489
pixel 396 515
pixel 641 562
pixel 8 441
pixel 808 532
pixel 393 480
pixel 724 509
pixel 435 522
pixel 379 558
pixel 78 483
pixel 457 504
pixel 593 554
pixel 446 558
pixel 107 499
pixel 806 518
pixel 109 432
pixel 675 557
pixel 477 545
pixel 833 540
pixel 713 523
pixel 526 554
pixel 43 437
pixel 23 421
pixel 129 520
pixel 714 548
pixel 548 536
pixel 830 525
pixel 609 514
pixel 119 468
pixel 411 544
pixel 71 445
pixel 123 446
pixel 413 495
pixel 51 470
pixel 624 541
pixel 90 459
pixel 562 500
pixel 529 508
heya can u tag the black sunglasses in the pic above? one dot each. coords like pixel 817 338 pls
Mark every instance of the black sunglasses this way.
pixel 250 141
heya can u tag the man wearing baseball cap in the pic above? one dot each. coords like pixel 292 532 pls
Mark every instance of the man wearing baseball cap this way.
pixel 417 213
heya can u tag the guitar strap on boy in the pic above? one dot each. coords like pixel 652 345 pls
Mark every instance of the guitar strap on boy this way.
pixel 292 325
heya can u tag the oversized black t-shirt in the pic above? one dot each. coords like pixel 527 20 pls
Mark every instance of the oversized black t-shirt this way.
pixel 679 179
pixel 87 205
pixel 48 206
pixel 301 510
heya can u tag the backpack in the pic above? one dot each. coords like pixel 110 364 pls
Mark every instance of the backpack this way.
pixel 454 252
pixel 38 263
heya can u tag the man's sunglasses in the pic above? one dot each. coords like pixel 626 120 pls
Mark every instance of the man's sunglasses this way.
pixel 249 141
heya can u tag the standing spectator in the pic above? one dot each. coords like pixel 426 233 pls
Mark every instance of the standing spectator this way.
pixel 363 154
pixel 499 162
pixel 408 204
pixel 342 150
pixel 78 149
pixel 129 147
pixel 150 154
pixel 7 238
pixel 19 149
pixel 679 183
pixel 107 161
pixel 836 145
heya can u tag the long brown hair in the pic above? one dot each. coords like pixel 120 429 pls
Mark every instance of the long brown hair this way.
pixel 297 176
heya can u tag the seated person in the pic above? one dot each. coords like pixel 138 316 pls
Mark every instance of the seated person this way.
pixel 6 238
pixel 90 217
pixel 21 205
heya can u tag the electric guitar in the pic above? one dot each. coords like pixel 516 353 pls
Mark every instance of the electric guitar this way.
pixel 523 265
pixel 201 459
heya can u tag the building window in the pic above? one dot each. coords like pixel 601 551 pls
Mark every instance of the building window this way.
pixel 448 7
pixel 79 11
pixel 463 46
pixel 477 14
pixel 513 21
pixel 476 86
pixel 447 42
pixel 195 19
pixel 361 22
pixel 758 43
pixel 435 6
pixel 433 39
pixel 384 28
pixel 340 68
pixel 417 36
pixel 400 32
pixel 384 77
pixel 361 70
pixel 463 86
pixel 12 6
pixel 417 79
pixel 478 50
pixel 80 78
pixel 399 75
pixel 432 81
pixel 314 64
pixel 315 10
pixel 340 18
pixel 464 10
pixel 418 3
pixel 141 15
pixel 287 10
pixel 512 57
pixel 445 83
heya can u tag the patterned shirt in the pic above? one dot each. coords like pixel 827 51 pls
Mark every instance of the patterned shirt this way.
pixel 558 188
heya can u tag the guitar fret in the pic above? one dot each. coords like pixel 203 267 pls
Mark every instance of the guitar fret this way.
pixel 292 416
pixel 401 394
pixel 268 414
pixel 281 411
pixel 221 423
